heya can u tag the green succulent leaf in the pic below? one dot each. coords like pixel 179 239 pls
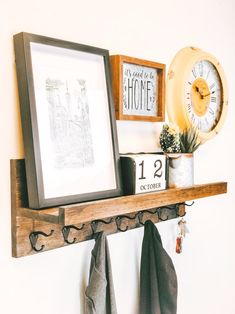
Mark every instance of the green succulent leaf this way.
pixel 172 141
pixel 189 140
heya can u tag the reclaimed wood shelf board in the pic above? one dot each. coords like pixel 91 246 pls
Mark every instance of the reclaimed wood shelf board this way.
pixel 26 220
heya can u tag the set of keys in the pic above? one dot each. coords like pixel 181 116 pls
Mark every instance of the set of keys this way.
pixel 181 235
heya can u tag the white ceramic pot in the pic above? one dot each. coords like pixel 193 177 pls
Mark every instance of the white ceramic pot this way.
pixel 181 170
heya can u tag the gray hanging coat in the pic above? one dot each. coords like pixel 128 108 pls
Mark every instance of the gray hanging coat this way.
pixel 158 281
pixel 99 295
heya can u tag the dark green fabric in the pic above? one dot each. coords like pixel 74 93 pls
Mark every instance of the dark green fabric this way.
pixel 158 280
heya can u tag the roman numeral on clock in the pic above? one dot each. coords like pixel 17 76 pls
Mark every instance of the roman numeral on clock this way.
pixel 211 111
pixel 194 72
pixel 213 99
pixel 201 68
pixel 193 118
pixel 207 75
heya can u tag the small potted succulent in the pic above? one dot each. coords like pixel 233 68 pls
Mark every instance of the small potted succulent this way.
pixel 179 147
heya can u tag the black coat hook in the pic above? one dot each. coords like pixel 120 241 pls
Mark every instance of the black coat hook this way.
pixel 189 204
pixel 66 231
pixel 141 214
pixel 118 221
pixel 159 213
pixel 178 207
pixel 178 215
pixel 33 237
pixel 95 223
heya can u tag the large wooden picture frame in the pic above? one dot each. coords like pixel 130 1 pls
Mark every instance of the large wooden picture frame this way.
pixel 68 121
pixel 138 88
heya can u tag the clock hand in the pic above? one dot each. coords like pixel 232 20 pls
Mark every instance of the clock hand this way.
pixel 203 96
pixel 208 94
pixel 199 91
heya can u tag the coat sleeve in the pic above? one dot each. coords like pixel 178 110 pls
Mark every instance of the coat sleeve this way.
pixel 158 280
pixel 99 294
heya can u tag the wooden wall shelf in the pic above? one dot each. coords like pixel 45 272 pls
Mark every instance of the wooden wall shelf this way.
pixel 26 221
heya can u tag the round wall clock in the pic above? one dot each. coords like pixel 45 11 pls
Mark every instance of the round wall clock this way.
pixel 196 92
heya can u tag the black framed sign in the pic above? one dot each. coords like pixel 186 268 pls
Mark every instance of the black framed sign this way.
pixel 69 130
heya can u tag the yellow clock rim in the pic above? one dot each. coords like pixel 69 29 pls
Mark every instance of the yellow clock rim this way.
pixel 178 73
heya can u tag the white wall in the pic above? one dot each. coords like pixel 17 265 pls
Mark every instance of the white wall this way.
pixel 53 282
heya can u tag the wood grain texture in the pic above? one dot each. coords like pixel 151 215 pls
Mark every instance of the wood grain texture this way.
pixel 89 211
pixel 50 215
pixel 26 220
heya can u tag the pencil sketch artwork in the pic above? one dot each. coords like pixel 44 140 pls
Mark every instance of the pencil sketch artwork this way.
pixel 70 128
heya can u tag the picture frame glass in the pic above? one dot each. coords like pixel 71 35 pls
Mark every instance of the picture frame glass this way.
pixel 75 137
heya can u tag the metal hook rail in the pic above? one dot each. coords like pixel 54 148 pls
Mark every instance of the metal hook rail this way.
pixel 133 220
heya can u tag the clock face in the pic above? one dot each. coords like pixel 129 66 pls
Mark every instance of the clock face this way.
pixel 197 93
pixel 203 96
